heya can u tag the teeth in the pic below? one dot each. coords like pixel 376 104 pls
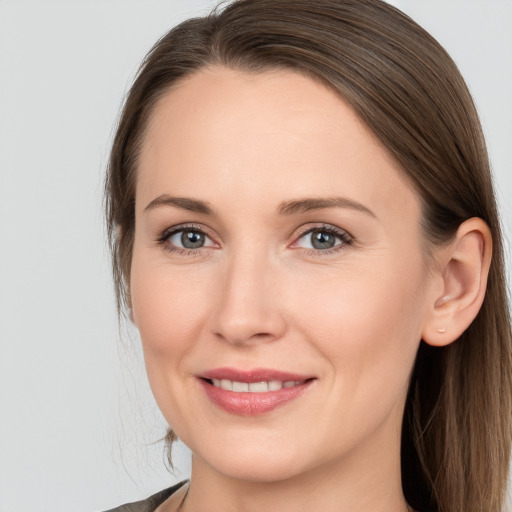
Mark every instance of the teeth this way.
pixel 274 385
pixel 258 387
pixel 254 387
pixel 226 384
pixel 241 387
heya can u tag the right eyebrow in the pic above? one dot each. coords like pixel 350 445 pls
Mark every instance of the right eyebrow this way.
pixel 318 203
pixel 185 203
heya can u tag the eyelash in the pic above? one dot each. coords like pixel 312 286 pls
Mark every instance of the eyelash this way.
pixel 344 236
pixel 346 239
pixel 181 251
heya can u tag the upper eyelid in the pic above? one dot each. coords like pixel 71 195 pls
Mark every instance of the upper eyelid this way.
pixel 187 227
pixel 325 227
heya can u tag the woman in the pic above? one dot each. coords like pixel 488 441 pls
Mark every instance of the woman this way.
pixel 302 223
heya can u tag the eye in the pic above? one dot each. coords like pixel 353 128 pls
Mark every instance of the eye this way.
pixel 324 239
pixel 186 239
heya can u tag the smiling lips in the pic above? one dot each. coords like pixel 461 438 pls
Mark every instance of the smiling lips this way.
pixel 255 392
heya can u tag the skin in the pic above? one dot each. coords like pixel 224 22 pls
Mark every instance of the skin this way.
pixel 259 295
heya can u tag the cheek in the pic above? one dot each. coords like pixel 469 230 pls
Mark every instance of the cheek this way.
pixel 168 309
pixel 367 325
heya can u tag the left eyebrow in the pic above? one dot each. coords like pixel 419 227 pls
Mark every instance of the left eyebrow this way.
pixel 185 203
pixel 313 203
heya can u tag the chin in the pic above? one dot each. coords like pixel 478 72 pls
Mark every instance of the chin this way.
pixel 262 468
pixel 251 461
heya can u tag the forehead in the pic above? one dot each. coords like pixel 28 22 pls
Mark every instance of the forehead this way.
pixel 261 136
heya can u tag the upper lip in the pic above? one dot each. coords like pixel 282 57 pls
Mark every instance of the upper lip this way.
pixel 253 375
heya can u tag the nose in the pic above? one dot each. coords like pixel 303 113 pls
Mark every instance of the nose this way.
pixel 247 308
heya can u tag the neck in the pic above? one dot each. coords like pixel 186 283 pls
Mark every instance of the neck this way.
pixel 367 479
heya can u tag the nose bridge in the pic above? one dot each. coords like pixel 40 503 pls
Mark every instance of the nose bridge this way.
pixel 247 304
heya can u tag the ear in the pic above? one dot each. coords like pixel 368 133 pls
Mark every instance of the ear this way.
pixel 461 280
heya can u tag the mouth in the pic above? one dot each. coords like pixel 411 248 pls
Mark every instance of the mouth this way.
pixel 254 387
pixel 254 392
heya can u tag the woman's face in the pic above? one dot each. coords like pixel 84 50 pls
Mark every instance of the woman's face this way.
pixel 277 245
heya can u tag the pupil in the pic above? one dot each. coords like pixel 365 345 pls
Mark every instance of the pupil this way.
pixel 322 240
pixel 192 239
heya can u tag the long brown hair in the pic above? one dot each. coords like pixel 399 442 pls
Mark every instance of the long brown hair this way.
pixel 456 432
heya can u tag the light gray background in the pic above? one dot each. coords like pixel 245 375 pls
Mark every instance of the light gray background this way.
pixel 76 416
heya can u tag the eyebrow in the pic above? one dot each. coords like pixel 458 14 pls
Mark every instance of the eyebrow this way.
pixel 185 203
pixel 286 208
pixel 308 204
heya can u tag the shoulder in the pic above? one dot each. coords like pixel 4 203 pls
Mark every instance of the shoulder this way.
pixel 149 504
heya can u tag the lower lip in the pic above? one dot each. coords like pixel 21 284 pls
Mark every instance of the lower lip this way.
pixel 252 404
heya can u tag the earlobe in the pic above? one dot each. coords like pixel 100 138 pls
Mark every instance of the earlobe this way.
pixel 463 270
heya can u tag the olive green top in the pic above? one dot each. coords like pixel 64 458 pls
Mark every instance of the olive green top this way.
pixel 149 504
